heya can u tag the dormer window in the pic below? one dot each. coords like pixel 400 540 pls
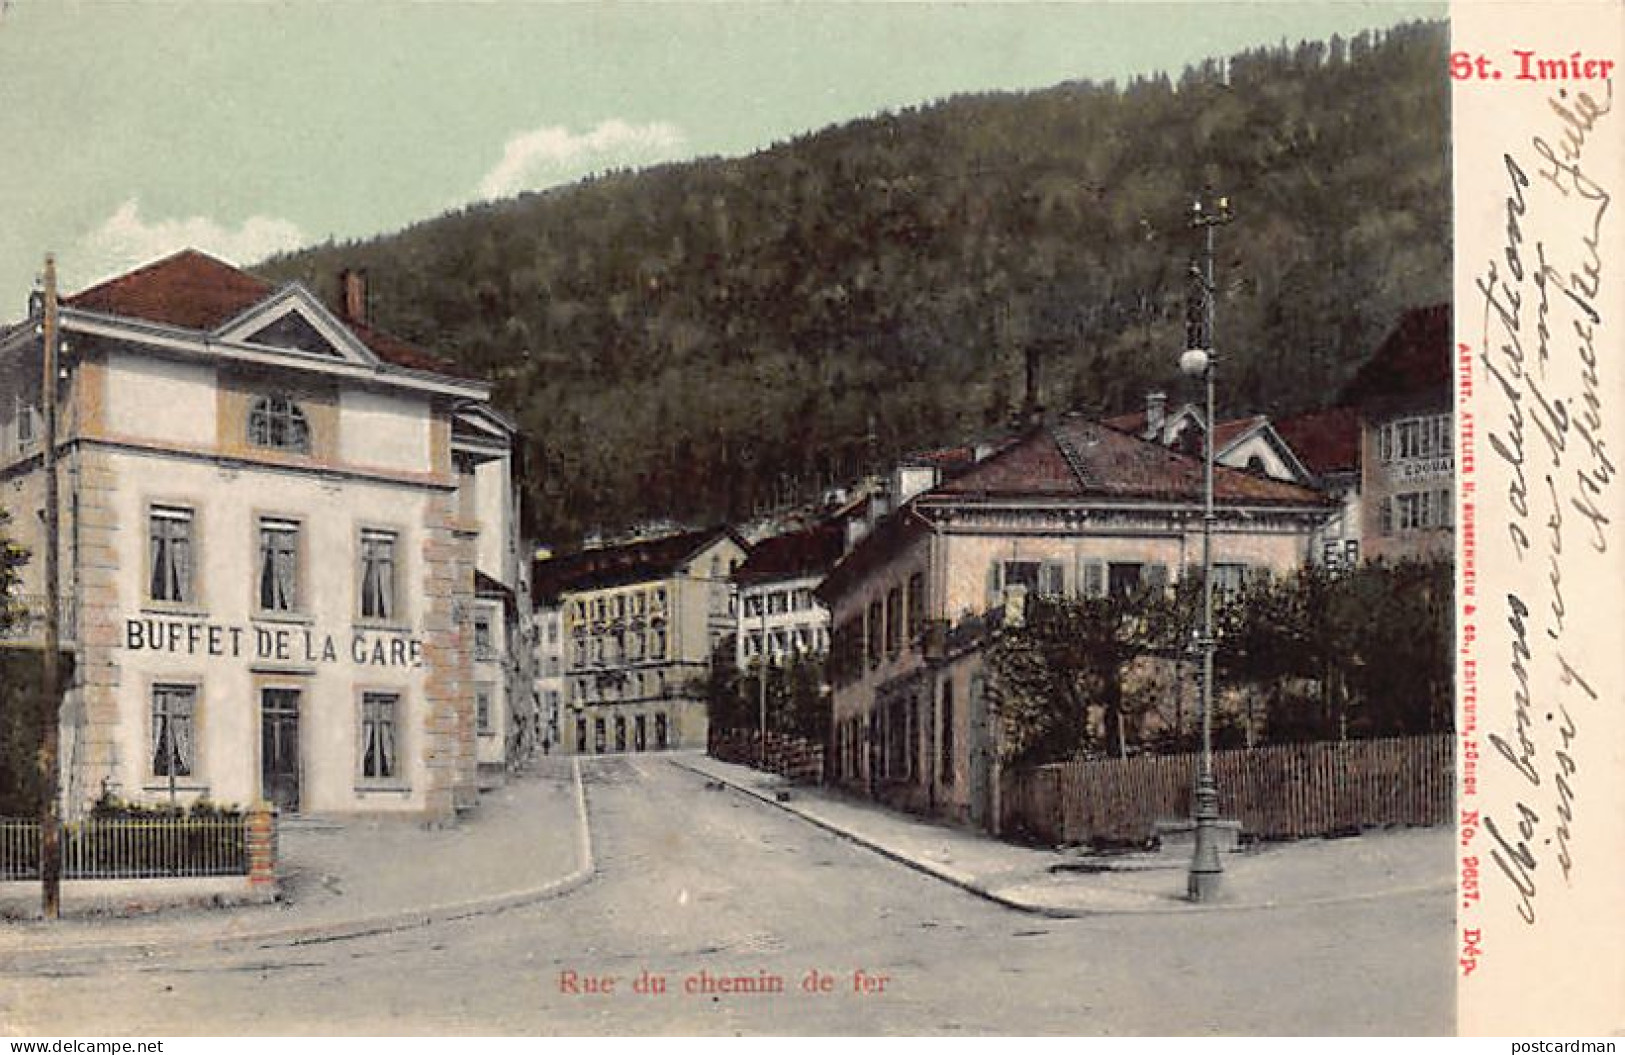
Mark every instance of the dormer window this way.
pixel 277 423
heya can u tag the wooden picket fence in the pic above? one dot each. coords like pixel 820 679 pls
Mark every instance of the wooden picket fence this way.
pixel 1287 791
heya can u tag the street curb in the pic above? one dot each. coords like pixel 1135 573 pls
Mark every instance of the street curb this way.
pixel 967 885
pixel 971 886
pixel 366 926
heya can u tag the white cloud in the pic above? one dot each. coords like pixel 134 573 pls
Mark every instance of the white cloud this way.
pixel 126 239
pixel 553 154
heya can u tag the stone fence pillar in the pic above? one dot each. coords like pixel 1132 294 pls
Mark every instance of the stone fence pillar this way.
pixel 261 832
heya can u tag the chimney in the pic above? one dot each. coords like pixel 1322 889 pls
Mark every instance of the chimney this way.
pixel 1031 410
pixel 353 290
pixel 1156 414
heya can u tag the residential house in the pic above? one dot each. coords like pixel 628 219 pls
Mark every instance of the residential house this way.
pixel 1327 444
pixel 270 529
pixel 1404 399
pixel 640 621
pixel 778 613
pixel 1073 507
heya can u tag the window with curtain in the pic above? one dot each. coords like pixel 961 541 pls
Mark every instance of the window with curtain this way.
pixel 279 565
pixel 173 724
pixel 276 423
pixel 169 537
pixel 378 724
pixel 377 575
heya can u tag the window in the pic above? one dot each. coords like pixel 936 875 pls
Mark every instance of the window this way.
pixel 279 565
pixel 753 605
pixel 1228 579
pixel 598 735
pixel 170 554
pixel 894 621
pixel 25 423
pixel 484 650
pixel 581 736
pixel 1122 580
pixel 1407 438
pixel 277 423
pixel 640 733
pixel 620 732
pixel 1418 510
pixel 657 644
pixel 377 575
pixel 1023 578
pixel 916 605
pixel 1125 579
pixel 378 756
pixel 173 744
pixel 482 708
pixel 945 761
pixel 660 732
pixel 876 621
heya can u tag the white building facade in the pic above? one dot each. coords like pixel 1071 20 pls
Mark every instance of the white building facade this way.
pixel 270 530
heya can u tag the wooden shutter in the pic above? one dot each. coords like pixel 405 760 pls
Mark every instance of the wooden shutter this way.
pixel 1091 578
pixel 1052 578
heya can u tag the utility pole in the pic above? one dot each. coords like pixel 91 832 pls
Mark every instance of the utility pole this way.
pixel 761 685
pixel 50 741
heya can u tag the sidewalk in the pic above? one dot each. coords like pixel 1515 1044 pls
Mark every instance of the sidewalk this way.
pixel 1078 883
pixel 527 841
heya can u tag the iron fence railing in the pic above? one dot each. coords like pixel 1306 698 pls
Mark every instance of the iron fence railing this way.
pixel 129 848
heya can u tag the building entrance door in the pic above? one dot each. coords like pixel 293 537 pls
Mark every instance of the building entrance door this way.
pixel 981 757
pixel 279 748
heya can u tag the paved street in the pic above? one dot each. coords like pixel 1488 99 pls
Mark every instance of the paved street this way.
pixel 694 879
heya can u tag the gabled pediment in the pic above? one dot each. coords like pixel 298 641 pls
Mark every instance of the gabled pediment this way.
pixel 294 320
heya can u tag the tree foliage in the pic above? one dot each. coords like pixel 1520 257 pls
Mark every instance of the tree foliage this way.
pixel 796 701
pixel 1361 653
pixel 702 340
pixel 22 711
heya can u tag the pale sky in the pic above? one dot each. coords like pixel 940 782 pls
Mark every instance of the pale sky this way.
pixel 132 130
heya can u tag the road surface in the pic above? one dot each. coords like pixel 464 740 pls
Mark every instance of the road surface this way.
pixel 731 903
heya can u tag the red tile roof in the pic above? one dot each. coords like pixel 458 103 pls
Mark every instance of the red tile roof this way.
pixel 1083 459
pixel 794 555
pixel 1413 360
pixel 194 291
pixel 1229 432
pixel 1325 441
pixel 190 289
pixel 1132 423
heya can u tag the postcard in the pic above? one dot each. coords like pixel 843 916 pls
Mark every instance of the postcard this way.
pixel 596 519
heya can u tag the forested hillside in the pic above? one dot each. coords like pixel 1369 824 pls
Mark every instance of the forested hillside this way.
pixel 704 339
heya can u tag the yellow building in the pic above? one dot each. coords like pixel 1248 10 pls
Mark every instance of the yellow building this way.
pixel 271 522
pixel 1072 507
pixel 639 624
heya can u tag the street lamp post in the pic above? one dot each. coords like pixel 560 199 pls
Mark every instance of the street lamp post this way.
pixel 761 688
pixel 1198 362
